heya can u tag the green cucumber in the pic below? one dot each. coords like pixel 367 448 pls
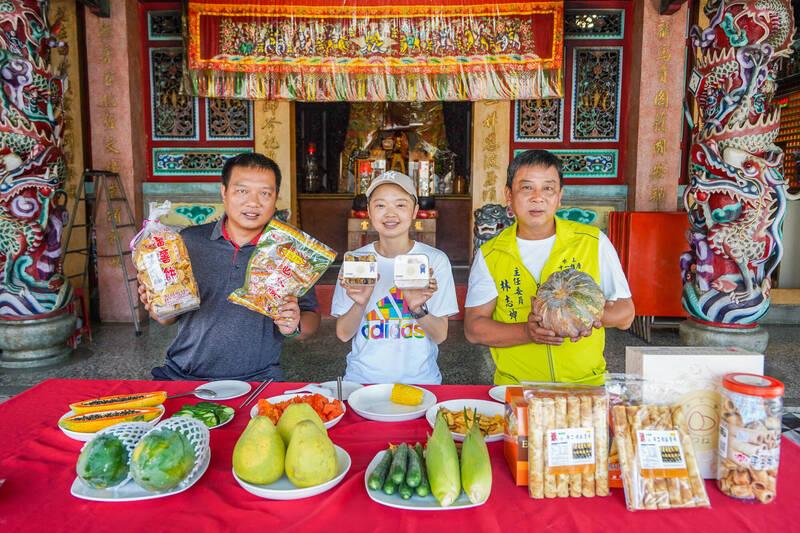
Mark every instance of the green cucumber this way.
pixel 389 486
pixel 414 469
pixel 405 491
pixel 399 461
pixel 378 476
pixel 424 487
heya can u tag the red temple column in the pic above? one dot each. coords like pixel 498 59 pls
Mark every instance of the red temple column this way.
pixel 116 141
pixel 653 164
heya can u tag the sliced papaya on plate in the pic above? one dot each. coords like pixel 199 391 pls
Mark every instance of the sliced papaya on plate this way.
pixel 97 420
pixel 120 401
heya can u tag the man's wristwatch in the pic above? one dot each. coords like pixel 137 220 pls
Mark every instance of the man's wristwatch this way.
pixel 295 334
pixel 422 312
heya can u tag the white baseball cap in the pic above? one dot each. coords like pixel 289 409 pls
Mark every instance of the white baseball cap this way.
pixel 395 178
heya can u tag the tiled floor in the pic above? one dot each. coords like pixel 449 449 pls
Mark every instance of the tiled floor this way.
pixel 791 427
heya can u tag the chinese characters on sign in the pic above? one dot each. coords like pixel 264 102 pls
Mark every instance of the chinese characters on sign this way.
pixel 271 122
pixel 661 103
pixel 490 166
pixel 108 103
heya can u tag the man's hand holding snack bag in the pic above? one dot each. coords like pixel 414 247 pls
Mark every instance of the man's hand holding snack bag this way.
pixel 166 282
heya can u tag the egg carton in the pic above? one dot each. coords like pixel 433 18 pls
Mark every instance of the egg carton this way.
pixel 195 431
pixel 129 433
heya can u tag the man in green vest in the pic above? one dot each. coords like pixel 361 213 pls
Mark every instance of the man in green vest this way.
pixel 507 270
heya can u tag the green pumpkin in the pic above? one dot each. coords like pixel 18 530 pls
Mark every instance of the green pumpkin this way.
pixel 161 460
pixel 103 462
pixel 569 302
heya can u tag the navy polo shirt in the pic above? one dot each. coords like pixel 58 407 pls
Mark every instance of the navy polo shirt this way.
pixel 221 339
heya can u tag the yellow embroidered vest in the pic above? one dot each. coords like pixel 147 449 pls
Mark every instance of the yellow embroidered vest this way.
pixel 576 246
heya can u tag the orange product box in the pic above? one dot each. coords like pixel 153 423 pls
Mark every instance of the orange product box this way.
pixel 515 434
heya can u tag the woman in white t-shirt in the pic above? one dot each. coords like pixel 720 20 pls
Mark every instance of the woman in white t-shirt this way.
pixel 395 332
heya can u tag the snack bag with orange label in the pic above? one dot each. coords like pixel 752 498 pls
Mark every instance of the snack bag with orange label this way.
pixel 163 263
pixel 656 455
pixel 286 262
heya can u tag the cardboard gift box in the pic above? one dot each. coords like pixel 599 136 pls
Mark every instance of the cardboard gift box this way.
pixel 691 376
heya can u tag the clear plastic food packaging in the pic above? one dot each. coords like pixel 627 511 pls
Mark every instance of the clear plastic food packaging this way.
pixel 163 263
pixel 567 440
pixel 286 262
pixel 750 436
pixel 360 269
pixel 411 271
pixel 657 460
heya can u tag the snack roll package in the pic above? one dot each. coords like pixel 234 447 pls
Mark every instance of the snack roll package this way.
pixel 163 263
pixel 573 420
pixel 750 436
pixel 536 448
pixel 600 424
pixel 567 440
pixel 656 454
pixel 286 262
pixel 586 421
pixel 548 423
pixel 562 481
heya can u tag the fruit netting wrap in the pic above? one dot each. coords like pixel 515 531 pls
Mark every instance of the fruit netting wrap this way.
pixel 286 262
pixel 196 432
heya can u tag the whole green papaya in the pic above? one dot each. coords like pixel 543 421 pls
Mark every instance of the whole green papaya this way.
pixel 103 462
pixel 162 459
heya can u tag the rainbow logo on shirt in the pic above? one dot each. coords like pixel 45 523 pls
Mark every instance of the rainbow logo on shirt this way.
pixel 393 319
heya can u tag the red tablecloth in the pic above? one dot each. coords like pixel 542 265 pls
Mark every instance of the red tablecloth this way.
pixel 37 462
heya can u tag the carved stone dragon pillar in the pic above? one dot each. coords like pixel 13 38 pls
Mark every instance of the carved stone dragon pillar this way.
pixel 33 292
pixel 736 198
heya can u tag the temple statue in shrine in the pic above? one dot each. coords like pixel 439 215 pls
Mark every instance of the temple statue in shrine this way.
pixel 32 168
pixel 735 199
pixel 408 137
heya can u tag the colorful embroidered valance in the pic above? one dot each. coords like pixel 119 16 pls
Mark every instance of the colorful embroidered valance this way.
pixel 407 50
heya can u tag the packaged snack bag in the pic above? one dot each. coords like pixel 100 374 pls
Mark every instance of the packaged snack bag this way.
pixel 567 440
pixel 286 262
pixel 656 454
pixel 163 263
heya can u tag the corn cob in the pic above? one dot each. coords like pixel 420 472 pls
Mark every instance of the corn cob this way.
pixel 406 394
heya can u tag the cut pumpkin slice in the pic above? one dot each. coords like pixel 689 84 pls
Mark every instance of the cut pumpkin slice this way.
pixel 120 401
pixel 95 421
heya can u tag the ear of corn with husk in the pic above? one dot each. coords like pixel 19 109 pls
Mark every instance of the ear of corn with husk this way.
pixel 441 461
pixel 476 468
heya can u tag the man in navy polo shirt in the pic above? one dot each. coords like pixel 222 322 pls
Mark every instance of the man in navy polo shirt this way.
pixel 221 339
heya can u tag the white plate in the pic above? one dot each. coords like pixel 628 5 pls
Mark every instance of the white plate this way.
pixel 498 393
pixel 484 407
pixel 283 397
pixel 78 435
pixel 131 492
pixel 283 489
pixel 373 402
pixel 348 388
pixel 415 503
pixel 225 389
